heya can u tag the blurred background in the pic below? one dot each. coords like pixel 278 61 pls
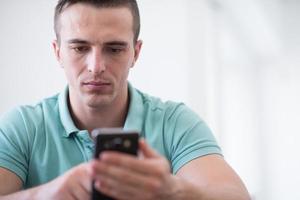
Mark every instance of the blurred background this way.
pixel 235 62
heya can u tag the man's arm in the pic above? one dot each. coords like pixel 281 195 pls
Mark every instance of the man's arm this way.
pixel 210 177
pixel 125 177
pixel 10 185
pixel 74 184
pixel 9 182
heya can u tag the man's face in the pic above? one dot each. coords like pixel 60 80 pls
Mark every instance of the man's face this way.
pixel 96 50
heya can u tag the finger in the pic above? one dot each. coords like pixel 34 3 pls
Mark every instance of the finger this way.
pixel 120 174
pixel 128 162
pixel 146 150
pixel 80 193
pixel 81 186
pixel 115 189
pixel 86 178
pixel 126 180
pixel 125 189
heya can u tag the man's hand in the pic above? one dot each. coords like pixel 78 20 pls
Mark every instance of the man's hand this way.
pixel 126 177
pixel 74 184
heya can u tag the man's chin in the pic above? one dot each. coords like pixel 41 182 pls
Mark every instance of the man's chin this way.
pixel 100 102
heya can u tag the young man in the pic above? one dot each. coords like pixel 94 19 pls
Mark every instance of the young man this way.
pixel 46 150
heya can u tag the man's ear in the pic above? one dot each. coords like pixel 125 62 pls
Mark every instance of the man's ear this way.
pixel 137 50
pixel 56 49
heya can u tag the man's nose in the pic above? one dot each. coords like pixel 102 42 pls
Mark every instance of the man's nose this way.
pixel 96 62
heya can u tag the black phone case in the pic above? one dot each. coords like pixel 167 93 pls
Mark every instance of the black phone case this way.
pixel 106 142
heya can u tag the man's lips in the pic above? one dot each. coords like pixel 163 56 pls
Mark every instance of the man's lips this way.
pixel 96 83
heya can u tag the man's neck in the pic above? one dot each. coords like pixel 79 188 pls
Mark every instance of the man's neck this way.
pixel 88 118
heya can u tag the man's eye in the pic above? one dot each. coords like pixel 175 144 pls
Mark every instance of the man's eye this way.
pixel 114 50
pixel 81 49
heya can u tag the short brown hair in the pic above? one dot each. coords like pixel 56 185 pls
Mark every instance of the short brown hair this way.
pixel 130 4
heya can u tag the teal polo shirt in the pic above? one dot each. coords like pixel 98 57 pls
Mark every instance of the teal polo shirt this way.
pixel 40 142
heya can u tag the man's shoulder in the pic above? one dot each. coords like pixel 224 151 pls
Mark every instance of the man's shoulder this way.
pixel 156 103
pixel 170 109
pixel 28 114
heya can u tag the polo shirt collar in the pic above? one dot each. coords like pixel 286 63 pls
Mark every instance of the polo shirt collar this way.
pixel 134 119
pixel 135 115
pixel 64 113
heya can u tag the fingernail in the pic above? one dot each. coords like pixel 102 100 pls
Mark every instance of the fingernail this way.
pixel 103 156
pixel 98 185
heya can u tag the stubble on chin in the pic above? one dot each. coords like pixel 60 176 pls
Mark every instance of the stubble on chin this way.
pixel 97 101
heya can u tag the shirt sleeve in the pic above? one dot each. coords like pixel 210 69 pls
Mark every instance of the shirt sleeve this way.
pixel 191 138
pixel 14 144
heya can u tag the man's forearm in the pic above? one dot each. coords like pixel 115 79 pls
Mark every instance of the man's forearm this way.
pixel 29 194
pixel 185 189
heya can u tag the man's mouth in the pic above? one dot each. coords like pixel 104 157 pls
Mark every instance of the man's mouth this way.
pixel 96 83
pixel 97 86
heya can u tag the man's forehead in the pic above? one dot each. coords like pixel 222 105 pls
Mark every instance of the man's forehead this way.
pixel 88 23
pixel 87 13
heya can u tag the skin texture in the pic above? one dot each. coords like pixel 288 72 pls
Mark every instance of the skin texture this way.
pixel 97 50
pixel 9 182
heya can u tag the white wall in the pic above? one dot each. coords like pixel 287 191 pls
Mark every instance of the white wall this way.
pixel 160 70
pixel 28 70
pixel 234 62
pixel 259 88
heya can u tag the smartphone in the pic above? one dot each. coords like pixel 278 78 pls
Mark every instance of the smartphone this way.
pixel 113 139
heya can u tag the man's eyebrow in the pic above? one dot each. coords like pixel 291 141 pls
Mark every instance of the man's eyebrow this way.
pixel 110 43
pixel 117 43
pixel 77 41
